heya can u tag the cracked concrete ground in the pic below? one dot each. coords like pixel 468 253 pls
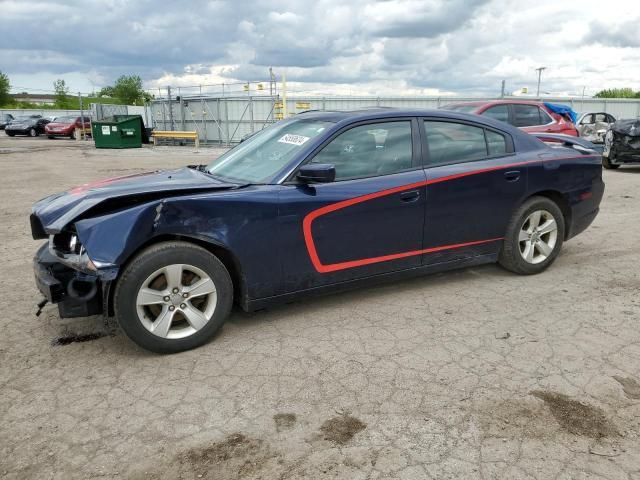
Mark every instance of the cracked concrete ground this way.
pixel 474 374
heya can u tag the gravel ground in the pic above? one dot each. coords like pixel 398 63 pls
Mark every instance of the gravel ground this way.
pixel 476 373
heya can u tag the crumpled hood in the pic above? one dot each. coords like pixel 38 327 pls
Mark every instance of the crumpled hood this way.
pixel 56 211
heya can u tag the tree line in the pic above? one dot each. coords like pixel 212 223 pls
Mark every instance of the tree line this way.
pixel 127 90
pixel 618 93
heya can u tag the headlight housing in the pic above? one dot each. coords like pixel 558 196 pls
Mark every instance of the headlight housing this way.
pixel 66 247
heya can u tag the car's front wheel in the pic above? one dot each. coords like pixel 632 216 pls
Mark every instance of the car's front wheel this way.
pixel 534 237
pixel 174 296
pixel 33 132
pixel 608 164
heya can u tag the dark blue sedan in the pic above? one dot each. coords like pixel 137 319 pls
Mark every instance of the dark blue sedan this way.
pixel 313 204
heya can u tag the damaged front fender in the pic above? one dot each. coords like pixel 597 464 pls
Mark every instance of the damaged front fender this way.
pixel 111 239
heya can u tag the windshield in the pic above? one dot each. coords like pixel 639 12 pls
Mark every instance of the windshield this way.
pixel 22 119
pixel 260 157
pixel 70 119
pixel 460 108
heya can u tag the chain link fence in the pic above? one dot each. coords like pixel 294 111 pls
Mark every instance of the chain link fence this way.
pixel 227 119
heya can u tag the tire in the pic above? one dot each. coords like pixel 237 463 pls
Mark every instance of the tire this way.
pixel 10 134
pixel 33 132
pixel 606 163
pixel 514 250
pixel 51 136
pixel 138 318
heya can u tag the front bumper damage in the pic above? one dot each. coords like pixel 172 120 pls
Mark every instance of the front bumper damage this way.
pixel 76 293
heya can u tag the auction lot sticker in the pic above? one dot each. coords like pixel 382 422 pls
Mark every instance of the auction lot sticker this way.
pixel 293 139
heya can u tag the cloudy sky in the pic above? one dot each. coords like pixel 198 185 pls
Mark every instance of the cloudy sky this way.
pixel 325 46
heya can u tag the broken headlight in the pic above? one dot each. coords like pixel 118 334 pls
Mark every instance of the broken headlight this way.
pixel 67 248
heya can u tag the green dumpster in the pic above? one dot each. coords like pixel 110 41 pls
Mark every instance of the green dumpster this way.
pixel 119 131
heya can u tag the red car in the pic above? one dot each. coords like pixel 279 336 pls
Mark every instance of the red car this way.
pixel 66 126
pixel 529 115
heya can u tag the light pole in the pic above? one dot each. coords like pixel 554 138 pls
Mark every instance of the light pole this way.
pixel 539 70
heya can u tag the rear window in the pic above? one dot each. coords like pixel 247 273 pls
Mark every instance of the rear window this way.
pixel 496 143
pixel 454 142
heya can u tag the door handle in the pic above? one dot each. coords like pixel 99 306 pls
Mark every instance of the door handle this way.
pixel 410 196
pixel 512 176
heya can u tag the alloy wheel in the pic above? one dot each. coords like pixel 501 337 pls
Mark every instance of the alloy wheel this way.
pixel 176 301
pixel 538 236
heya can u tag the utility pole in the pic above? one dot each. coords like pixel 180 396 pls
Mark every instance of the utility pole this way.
pixel 272 82
pixel 539 70
pixel 502 90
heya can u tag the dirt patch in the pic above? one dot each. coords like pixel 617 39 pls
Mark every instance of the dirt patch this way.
pixel 68 339
pixel 516 419
pixel 576 417
pixel 284 421
pixel 240 454
pixel 630 386
pixel 342 428
pixel 235 457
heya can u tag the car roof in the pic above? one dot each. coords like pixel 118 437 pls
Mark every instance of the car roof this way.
pixel 342 118
pixel 498 102
pixel 352 116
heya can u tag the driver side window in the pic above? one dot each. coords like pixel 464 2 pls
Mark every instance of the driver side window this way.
pixel 369 150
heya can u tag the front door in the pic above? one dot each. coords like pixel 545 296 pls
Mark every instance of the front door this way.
pixel 369 221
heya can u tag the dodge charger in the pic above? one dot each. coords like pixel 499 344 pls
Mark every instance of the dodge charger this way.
pixel 316 203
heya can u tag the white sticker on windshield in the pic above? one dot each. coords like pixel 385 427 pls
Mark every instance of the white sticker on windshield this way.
pixel 293 139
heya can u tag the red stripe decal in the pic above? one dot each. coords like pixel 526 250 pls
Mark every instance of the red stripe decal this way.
pixel 333 267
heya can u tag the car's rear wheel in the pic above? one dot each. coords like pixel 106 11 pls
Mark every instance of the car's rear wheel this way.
pixel 33 132
pixel 172 297
pixel 534 237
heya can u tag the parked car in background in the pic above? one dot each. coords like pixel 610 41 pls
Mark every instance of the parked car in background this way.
pixel 5 119
pixel 32 125
pixel 529 115
pixel 593 126
pixel 313 204
pixel 66 126
pixel 622 144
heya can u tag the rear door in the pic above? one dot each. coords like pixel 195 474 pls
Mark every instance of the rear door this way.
pixel 474 182
pixel 369 221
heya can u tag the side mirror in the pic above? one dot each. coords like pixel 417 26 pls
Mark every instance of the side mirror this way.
pixel 317 173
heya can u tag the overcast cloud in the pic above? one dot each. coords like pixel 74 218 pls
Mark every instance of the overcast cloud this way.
pixel 325 46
